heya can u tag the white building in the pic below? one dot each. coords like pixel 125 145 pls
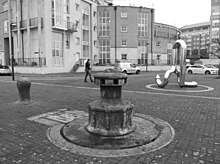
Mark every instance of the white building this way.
pixel 52 36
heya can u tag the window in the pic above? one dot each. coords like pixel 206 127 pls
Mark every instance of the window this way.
pixel 57 49
pixel 77 7
pixel 123 56
pixel 77 41
pixel 95 28
pixel 124 43
pixel 67 40
pixel 142 24
pixel 95 43
pixel 104 51
pixel 158 57
pixel 67 6
pixel 95 14
pixel 124 14
pixel 5 6
pixel 158 43
pixel 6 26
pixel 104 24
pixel 123 28
pixel 58 12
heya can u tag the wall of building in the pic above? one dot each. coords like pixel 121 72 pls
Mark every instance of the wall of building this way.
pixel 38 42
pixel 4 36
pixel 197 38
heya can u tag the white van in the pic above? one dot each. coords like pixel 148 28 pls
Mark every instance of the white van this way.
pixel 127 67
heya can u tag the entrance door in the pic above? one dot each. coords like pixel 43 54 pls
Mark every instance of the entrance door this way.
pixel 6 60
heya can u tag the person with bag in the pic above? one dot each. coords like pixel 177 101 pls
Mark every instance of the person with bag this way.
pixel 88 71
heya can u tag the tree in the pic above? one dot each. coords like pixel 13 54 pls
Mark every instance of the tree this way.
pixel 216 52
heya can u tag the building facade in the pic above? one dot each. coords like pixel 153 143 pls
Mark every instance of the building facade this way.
pixel 124 33
pixel 58 35
pixel 130 33
pixel 197 38
pixel 214 22
pixel 52 36
pixel 4 33
pixel 164 37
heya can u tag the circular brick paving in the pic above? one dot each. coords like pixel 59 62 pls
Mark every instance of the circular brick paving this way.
pixel 151 134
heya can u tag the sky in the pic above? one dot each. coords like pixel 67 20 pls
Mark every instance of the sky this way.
pixel 175 12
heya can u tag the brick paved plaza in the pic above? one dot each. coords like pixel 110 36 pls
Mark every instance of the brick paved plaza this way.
pixel 195 117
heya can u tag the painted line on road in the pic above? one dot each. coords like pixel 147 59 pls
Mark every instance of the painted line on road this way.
pixel 128 91
pixel 137 92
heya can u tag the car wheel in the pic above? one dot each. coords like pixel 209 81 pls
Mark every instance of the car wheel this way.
pixel 125 71
pixel 190 72
pixel 207 72
pixel 138 71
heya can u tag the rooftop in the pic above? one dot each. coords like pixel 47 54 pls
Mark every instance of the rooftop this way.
pixel 196 25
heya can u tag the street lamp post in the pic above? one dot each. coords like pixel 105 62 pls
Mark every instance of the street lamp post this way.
pixel 146 58
pixel 12 54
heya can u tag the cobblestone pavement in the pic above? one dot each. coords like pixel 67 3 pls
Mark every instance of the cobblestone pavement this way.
pixel 195 118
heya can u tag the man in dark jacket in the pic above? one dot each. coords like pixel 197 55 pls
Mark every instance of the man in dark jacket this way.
pixel 88 71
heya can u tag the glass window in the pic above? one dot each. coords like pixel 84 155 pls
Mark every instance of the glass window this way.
pixel 95 43
pixel 142 24
pixel 86 51
pixel 124 14
pixel 77 41
pixel 77 7
pixel 57 49
pixel 67 6
pixel 104 24
pixel 67 40
pixel 95 14
pixel 104 51
pixel 123 28
pixel 123 56
pixel 58 13
pixel 124 43
pixel 6 26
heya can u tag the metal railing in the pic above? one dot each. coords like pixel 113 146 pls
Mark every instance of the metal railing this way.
pixel 140 62
pixel 30 62
pixel 33 22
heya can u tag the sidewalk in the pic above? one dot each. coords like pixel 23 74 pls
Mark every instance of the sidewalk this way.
pixel 196 121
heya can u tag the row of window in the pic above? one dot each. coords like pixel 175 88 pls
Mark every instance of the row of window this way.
pixel 104 23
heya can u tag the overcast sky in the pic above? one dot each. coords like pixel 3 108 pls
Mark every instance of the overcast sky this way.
pixel 175 12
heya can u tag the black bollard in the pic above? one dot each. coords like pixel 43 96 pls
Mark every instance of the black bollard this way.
pixel 24 89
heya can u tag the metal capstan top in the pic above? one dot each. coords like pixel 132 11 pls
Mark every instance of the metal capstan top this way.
pixel 111 74
pixel 110 77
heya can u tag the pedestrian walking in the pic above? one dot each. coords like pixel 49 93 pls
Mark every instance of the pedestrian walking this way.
pixel 88 71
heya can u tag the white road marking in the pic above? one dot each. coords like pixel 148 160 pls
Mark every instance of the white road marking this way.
pixel 128 91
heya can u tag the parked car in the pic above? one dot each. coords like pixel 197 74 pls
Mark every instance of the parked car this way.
pixel 5 70
pixel 202 69
pixel 127 67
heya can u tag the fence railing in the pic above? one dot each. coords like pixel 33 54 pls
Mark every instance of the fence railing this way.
pixel 30 62
pixel 104 62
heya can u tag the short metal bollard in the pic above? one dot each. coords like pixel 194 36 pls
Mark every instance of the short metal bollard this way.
pixel 24 89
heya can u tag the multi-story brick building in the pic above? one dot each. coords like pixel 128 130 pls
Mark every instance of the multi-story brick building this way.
pixel 129 33
pixel 214 22
pixel 197 38
pixel 125 33
pixel 51 36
